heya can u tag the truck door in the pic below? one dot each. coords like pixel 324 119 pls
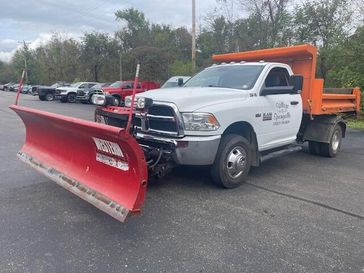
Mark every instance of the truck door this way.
pixel 281 112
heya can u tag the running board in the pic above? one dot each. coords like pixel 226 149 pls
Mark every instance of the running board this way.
pixel 288 150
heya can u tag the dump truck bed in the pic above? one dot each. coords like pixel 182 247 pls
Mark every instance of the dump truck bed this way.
pixel 303 59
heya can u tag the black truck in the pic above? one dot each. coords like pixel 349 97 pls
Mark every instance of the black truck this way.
pixel 47 93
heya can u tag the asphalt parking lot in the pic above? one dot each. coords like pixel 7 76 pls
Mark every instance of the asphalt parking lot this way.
pixel 297 213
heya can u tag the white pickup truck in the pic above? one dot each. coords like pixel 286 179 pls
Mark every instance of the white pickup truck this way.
pixel 234 115
pixel 70 93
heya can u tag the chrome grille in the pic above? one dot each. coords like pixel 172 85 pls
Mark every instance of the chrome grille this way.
pixel 162 119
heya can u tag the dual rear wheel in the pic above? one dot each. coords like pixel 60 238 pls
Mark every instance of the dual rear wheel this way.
pixel 328 149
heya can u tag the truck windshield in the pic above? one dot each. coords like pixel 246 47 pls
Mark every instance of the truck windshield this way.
pixel 227 76
pixel 116 84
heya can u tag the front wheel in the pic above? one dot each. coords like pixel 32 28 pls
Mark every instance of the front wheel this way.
pixel 232 162
pixel 71 98
pixel 49 97
pixel 118 100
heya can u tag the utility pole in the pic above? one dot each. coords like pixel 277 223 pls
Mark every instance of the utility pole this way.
pixel 120 67
pixel 193 36
pixel 25 44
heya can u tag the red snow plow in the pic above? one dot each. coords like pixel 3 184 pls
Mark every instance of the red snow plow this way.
pixel 101 164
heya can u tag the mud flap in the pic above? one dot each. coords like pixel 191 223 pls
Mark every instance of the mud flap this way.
pixel 101 164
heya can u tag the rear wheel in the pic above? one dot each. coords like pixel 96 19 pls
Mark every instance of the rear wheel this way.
pixel 49 97
pixel 71 97
pixel 332 148
pixel 232 162
pixel 314 147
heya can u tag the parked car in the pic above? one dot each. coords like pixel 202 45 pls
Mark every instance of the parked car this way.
pixel 85 95
pixel 13 87
pixel 25 89
pixel 176 81
pixel 7 86
pixel 47 93
pixel 119 90
pixel 69 93
pixel 2 86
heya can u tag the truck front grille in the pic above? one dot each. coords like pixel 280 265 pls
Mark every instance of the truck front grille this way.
pixel 159 119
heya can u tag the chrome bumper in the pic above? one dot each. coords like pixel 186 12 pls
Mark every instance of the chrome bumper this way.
pixel 189 150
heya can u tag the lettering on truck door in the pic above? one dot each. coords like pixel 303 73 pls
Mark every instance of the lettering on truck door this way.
pixel 281 112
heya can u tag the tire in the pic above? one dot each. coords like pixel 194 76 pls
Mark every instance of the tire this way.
pixel 118 100
pixel 49 97
pixel 71 98
pixel 314 147
pixel 232 162
pixel 42 98
pixel 332 148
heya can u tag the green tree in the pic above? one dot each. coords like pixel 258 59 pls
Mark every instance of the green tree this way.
pixel 324 23
pixel 136 32
pixel 96 48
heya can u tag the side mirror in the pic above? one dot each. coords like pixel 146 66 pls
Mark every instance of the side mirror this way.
pixel 180 82
pixel 297 82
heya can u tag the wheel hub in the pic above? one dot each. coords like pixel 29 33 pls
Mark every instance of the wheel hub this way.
pixel 335 141
pixel 236 162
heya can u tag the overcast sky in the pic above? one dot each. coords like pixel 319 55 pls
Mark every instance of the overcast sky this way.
pixel 35 20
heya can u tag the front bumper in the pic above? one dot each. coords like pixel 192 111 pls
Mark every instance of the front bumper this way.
pixel 60 96
pixel 83 97
pixel 189 150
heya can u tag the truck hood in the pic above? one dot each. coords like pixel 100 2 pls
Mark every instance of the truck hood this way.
pixel 189 99
pixel 110 89
pixel 67 88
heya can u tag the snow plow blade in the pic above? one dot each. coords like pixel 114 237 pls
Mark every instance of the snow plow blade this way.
pixel 101 164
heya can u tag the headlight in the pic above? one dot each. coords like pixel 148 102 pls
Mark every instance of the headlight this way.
pixel 127 101
pixel 140 102
pixel 200 122
pixel 104 100
pixel 99 100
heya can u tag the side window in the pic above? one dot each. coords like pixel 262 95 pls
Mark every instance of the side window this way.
pixel 277 77
pixel 128 85
pixel 91 84
pixel 139 86
pixel 82 86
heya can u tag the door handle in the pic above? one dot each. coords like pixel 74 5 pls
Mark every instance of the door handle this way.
pixel 294 102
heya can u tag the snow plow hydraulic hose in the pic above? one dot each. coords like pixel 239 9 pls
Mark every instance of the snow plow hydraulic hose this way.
pixel 101 164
